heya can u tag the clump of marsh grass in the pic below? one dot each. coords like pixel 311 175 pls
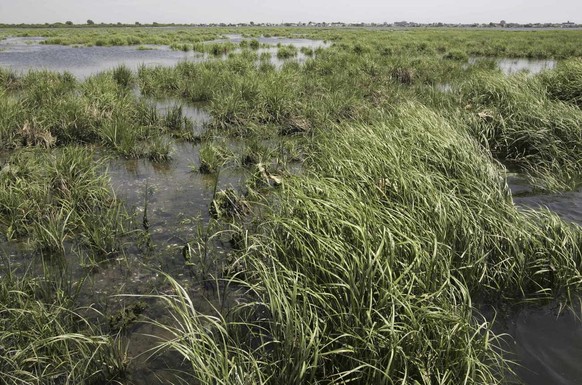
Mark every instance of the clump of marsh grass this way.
pixel 159 149
pixel 206 344
pixel 9 80
pixel 514 118
pixel 404 75
pixel 228 204
pixel 286 52
pixel 49 342
pixel 52 197
pixel 55 110
pixel 565 82
pixel 123 76
pixel 366 268
pixel 213 157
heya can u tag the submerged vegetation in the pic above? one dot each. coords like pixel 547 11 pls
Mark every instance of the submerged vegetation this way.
pixel 374 217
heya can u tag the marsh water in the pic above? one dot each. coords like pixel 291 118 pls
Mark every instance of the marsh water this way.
pixel 27 53
pixel 510 66
pixel 546 341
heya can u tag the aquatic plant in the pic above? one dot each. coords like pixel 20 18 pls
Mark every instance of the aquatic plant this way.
pixel 51 198
pixel 565 82
pixel 49 341
pixel 366 268
pixel 362 267
pixel 286 52
pixel 522 127
pixel 123 76
pixel 213 157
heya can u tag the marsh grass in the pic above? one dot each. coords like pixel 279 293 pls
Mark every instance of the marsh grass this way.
pixel 366 267
pixel 213 156
pixel 286 52
pixel 123 76
pixel 522 127
pixel 55 110
pixel 49 198
pixel 565 83
pixel 47 341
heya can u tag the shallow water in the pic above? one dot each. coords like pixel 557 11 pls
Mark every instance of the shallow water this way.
pixel 22 54
pixel 299 43
pixel 567 205
pixel 547 342
pixel 549 346
pixel 511 66
pixel 196 113
pixel 178 200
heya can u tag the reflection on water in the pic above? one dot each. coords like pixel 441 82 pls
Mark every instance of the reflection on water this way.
pixel 548 343
pixel 22 54
pixel 543 342
pixel 510 66
pixel 82 62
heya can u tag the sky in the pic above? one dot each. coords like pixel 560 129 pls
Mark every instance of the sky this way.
pixel 279 11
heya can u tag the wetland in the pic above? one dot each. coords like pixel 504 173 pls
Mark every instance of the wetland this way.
pixel 298 206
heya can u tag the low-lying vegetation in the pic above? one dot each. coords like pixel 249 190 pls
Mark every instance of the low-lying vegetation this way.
pixel 367 266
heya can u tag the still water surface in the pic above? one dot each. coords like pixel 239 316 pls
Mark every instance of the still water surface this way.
pixel 22 54
pixel 547 339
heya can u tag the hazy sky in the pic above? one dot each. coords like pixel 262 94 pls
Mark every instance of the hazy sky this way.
pixel 212 11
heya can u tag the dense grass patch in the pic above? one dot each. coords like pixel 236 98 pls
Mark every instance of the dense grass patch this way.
pixel 527 130
pixel 44 339
pixel 50 198
pixel 368 264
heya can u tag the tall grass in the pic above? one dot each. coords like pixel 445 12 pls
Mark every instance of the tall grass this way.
pixel 51 198
pixel 525 129
pixel 367 267
pixel 47 341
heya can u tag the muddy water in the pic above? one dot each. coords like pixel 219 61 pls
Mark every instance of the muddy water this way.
pixel 178 199
pixel 546 341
